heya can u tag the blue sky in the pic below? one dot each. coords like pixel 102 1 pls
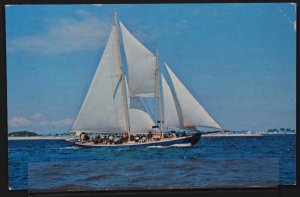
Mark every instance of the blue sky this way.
pixel 238 60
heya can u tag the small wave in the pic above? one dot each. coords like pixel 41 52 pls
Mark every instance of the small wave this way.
pixel 125 149
pixel 128 174
pixel 181 145
pixel 173 145
pixel 157 146
pixel 69 147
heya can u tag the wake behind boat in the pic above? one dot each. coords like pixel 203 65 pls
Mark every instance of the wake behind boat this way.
pixel 137 108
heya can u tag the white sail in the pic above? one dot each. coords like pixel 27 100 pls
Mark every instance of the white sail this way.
pixel 135 103
pixel 102 109
pixel 139 120
pixel 171 119
pixel 141 64
pixel 194 115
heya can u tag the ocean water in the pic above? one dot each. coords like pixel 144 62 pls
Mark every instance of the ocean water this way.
pixel 213 162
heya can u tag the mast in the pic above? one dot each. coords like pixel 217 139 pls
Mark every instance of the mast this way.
pixel 124 98
pixel 158 92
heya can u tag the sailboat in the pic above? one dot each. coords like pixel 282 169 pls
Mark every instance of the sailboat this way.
pixel 139 103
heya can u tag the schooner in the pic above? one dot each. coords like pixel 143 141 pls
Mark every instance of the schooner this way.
pixel 116 102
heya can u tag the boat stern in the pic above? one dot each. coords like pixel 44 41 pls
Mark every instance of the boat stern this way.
pixel 195 138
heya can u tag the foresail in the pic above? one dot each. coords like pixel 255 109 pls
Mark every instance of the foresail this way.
pixel 141 64
pixel 194 115
pixel 170 113
pixel 102 109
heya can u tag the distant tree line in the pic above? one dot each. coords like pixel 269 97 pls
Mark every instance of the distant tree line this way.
pixel 281 129
pixel 22 134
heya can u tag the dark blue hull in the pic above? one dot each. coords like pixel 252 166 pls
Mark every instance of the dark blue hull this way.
pixel 167 142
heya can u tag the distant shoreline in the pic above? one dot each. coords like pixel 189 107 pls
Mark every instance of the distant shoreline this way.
pixel 242 134
pixel 204 135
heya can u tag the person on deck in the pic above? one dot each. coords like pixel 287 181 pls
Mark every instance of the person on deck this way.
pixel 131 138
pixel 110 139
pixel 86 137
pixel 149 136
pixel 162 135
pixel 82 137
pixel 126 137
pixel 136 139
pixel 96 139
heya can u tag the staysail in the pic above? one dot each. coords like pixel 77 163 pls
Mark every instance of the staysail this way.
pixel 140 121
pixel 102 109
pixel 194 115
pixel 141 64
pixel 170 113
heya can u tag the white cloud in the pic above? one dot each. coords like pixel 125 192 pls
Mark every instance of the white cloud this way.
pixel 86 32
pixel 83 13
pixel 42 123
pixel 63 122
pixel 295 25
pixel 56 123
pixel 97 4
pixel 38 116
pixel 19 121
pixel 36 121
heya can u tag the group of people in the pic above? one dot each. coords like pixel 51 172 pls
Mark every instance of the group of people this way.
pixel 124 138
pixel 103 139
pixel 173 134
pixel 146 137
pixel 111 139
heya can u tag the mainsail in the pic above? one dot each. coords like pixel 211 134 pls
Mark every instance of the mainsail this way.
pixel 141 64
pixel 102 108
pixel 194 115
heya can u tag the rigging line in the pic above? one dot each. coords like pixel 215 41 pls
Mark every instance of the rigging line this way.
pixel 155 96
pixel 148 108
pixel 122 77
pixel 125 39
pixel 114 91
pixel 116 107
